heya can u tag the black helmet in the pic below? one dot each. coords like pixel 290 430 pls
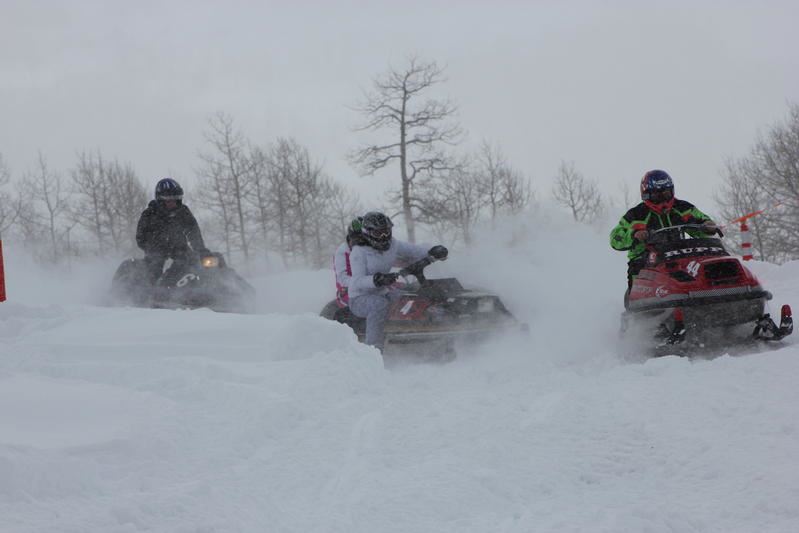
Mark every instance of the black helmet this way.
pixel 377 230
pixel 168 189
pixel 354 234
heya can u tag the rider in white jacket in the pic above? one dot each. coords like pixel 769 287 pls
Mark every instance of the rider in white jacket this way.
pixel 370 289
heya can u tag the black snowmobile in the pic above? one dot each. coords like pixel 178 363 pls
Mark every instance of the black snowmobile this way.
pixel 191 282
pixel 431 314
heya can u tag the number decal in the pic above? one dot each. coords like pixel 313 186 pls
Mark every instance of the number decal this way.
pixel 185 279
pixel 407 307
pixel 693 268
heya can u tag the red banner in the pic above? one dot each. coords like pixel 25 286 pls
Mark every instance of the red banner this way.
pixel 2 276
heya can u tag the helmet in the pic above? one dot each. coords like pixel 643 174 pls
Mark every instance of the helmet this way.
pixel 354 235
pixel 657 191
pixel 377 230
pixel 168 189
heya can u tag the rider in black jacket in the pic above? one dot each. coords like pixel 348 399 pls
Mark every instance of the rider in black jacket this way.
pixel 167 229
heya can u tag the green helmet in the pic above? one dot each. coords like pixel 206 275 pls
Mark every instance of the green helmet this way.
pixel 354 235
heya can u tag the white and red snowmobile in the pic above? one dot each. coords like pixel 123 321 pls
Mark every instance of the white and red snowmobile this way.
pixel 692 292
pixel 432 314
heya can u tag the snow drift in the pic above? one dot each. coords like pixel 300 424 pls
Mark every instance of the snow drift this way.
pixel 121 420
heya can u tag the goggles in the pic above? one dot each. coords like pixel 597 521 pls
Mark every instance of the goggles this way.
pixel 379 234
pixel 658 197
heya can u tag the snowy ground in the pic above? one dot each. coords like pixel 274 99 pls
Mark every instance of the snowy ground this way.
pixel 126 420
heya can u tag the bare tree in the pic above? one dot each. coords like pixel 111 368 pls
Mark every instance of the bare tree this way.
pixel 418 128
pixel 89 188
pixel 305 186
pixel 48 202
pixel 213 195
pixel 739 195
pixel 504 188
pixel 334 208
pixel 227 175
pixel 282 168
pixel 109 199
pixel 260 195
pixel 455 199
pixel 768 178
pixel 341 207
pixel 581 196
pixel 9 204
pixel 125 204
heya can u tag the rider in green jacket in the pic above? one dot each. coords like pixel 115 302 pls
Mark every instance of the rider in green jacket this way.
pixel 659 209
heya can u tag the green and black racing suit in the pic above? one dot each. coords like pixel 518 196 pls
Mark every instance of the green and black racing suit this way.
pixel 642 217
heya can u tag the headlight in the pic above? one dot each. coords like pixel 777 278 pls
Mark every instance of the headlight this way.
pixel 210 261
pixel 485 305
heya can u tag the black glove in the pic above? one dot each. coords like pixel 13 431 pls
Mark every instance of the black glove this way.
pixel 438 252
pixel 710 227
pixel 384 280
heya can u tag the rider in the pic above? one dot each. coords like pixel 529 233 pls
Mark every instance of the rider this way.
pixel 659 209
pixel 341 261
pixel 167 229
pixel 371 288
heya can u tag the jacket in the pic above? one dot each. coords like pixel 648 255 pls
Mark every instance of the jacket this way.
pixel 341 266
pixel 168 232
pixel 365 262
pixel 641 217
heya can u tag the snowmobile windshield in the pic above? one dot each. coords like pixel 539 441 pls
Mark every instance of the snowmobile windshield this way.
pixel 679 233
pixel 701 247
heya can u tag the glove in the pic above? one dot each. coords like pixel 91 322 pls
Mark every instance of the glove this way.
pixel 710 227
pixel 641 235
pixel 384 280
pixel 438 252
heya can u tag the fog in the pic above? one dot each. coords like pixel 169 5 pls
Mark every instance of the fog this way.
pixel 617 87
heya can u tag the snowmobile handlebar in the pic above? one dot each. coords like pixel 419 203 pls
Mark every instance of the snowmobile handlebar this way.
pixel 417 269
pixel 679 232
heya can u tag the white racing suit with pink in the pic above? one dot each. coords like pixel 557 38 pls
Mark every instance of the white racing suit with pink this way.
pixel 341 266
pixel 369 301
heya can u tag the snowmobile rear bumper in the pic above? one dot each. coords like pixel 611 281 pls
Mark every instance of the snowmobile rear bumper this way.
pixel 700 298
pixel 471 333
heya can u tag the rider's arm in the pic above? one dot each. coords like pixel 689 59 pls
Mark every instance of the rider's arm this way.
pixel 361 278
pixel 621 238
pixel 144 232
pixel 408 253
pixel 691 214
pixel 193 235
pixel 341 266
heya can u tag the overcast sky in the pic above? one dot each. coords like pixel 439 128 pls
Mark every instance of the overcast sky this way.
pixel 617 87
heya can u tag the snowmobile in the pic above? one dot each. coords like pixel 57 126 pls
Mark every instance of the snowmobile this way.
pixel 432 314
pixel 191 282
pixel 692 292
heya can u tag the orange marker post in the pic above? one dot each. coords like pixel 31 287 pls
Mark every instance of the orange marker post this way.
pixel 746 243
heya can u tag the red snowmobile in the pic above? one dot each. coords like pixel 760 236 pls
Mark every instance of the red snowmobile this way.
pixel 692 291
pixel 432 314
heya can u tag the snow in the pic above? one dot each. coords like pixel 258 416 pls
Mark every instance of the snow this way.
pixel 125 420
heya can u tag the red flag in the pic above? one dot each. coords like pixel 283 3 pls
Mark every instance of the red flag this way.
pixel 2 276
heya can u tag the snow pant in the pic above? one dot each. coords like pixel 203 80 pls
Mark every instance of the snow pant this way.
pixel 154 266
pixel 374 308
pixel 633 268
